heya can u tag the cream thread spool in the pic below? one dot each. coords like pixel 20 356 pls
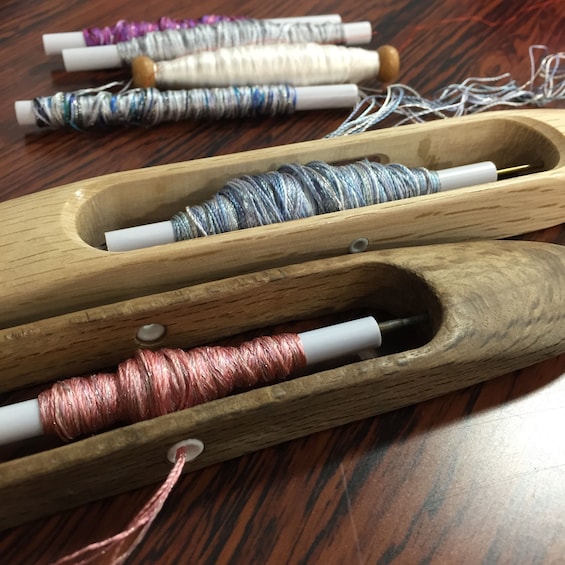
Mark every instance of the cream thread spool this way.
pixel 299 65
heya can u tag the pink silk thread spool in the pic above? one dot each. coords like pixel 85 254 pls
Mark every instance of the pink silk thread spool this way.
pixel 155 383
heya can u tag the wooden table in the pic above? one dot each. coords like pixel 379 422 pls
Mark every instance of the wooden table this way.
pixel 473 477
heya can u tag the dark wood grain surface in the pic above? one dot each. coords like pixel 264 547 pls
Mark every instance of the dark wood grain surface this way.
pixel 473 477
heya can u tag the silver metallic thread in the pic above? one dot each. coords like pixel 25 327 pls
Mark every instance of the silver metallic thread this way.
pixel 169 44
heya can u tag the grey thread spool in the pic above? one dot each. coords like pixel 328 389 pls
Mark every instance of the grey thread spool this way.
pixel 169 44
pixel 86 109
pixel 301 191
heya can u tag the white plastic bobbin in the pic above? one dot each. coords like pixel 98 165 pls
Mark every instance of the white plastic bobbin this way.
pixel 194 447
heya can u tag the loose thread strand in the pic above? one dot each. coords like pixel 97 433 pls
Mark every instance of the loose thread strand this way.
pixel 474 95
pixel 117 547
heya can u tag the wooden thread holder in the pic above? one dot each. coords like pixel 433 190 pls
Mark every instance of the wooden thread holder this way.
pixel 70 308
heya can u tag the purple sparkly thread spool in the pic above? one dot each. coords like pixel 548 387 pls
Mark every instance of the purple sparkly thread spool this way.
pixel 125 30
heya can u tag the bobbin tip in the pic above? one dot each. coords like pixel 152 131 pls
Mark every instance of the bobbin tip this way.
pixel 389 68
pixel 24 112
pixel 143 72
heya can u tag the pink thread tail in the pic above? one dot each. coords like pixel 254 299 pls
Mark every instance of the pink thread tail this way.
pixel 116 549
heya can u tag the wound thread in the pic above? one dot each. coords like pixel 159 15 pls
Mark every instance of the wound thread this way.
pixel 124 30
pixel 155 383
pixel 300 191
pixel 170 44
pixel 148 106
pixel 299 64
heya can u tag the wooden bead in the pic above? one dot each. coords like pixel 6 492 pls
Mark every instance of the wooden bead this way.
pixel 390 63
pixel 143 72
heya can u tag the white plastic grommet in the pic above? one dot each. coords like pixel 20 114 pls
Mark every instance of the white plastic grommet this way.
pixel 359 245
pixel 150 333
pixel 194 447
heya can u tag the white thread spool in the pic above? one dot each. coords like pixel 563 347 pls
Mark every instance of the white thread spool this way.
pixel 299 65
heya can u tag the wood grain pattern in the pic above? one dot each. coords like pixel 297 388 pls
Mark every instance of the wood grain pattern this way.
pixel 488 324
pixel 471 477
pixel 71 220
